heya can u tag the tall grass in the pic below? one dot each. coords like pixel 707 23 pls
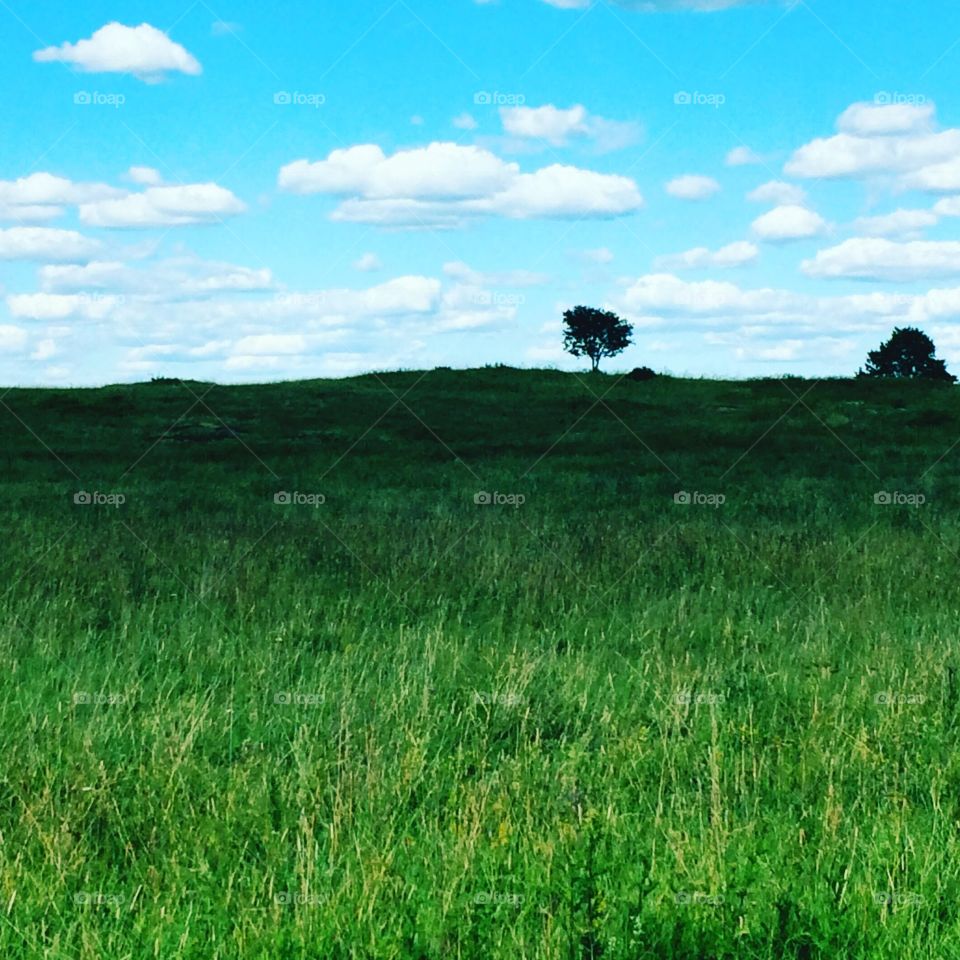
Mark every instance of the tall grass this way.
pixel 401 724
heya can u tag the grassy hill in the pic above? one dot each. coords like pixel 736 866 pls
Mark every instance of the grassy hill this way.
pixel 686 687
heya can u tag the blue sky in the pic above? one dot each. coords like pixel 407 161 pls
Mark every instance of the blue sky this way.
pixel 255 193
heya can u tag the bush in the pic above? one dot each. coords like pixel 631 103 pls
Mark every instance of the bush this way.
pixel 641 373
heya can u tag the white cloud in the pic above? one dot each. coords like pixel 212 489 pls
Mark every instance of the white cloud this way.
pixel 44 349
pixel 171 278
pixel 871 120
pixel 886 260
pixel 733 255
pixel 164 206
pixel 789 222
pixel 42 196
pixel 742 157
pixel 599 255
pixel 778 192
pixel 548 123
pixel 45 243
pixel 444 185
pixel 897 224
pixel 564 191
pixel 508 278
pixel 440 171
pixel 692 187
pixel 558 126
pixel 947 207
pixel 144 176
pixel 464 121
pixel 941 177
pixel 367 263
pixel 58 306
pixel 894 140
pixel 144 51
pixel 12 339
pixel 664 293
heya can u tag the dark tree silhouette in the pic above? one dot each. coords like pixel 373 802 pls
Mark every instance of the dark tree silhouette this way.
pixel 595 334
pixel 908 354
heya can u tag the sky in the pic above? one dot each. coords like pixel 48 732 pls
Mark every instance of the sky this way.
pixel 263 192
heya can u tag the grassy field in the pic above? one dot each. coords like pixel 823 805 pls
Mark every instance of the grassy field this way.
pixel 580 720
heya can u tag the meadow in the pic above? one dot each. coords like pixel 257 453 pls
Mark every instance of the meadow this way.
pixel 480 664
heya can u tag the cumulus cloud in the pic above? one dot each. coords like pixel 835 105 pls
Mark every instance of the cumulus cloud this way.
pixel 732 255
pixel 742 157
pixel 144 51
pixel 894 140
pixel 548 123
pixel 171 278
pixel 42 196
pixel 788 222
pixel 45 243
pixel 507 278
pixel 899 223
pixel 367 263
pixel 144 176
pixel 864 258
pixel 871 120
pixel 445 184
pixel 164 206
pixel 778 192
pixel 558 126
pixel 13 339
pixel 692 187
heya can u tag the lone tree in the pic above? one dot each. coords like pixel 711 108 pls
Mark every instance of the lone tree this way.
pixel 908 354
pixel 595 334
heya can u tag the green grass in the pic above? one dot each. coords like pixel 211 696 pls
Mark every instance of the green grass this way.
pixel 600 724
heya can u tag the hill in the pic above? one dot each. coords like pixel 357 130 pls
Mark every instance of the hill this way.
pixel 480 663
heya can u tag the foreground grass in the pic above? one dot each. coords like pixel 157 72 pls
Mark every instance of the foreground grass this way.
pixel 401 724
